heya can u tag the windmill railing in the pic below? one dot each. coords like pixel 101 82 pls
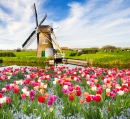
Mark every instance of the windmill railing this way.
pixel 59 55
pixel 59 58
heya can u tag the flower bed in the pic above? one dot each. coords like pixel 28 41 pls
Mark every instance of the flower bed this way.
pixel 63 93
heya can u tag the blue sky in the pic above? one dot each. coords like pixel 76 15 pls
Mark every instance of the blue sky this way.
pixel 81 23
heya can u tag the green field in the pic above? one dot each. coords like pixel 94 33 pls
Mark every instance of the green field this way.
pixel 23 57
pixel 116 57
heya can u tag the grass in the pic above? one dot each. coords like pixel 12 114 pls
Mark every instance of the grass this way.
pixel 25 53
pixel 24 57
pixel 116 57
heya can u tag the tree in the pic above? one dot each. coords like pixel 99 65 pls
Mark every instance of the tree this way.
pixel 18 49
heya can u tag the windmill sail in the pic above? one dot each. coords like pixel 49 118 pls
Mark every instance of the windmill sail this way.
pixel 55 42
pixel 43 19
pixel 29 40
pixel 35 13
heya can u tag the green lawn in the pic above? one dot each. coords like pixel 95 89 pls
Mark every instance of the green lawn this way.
pixel 25 53
pixel 117 57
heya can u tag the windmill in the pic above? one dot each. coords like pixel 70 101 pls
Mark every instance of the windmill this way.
pixel 45 38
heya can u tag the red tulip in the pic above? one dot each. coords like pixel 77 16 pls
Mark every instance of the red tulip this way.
pixel 78 92
pixel 99 91
pixel 88 99
pixel 72 77
pixel 71 97
pixel 41 99
pixel 16 89
pixel 98 98
pixel 97 85
pixel 1 95
pixel 103 77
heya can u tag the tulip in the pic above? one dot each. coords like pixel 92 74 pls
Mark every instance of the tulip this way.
pixel 99 91
pixel 2 100
pixel 8 100
pixel 98 98
pixel 78 93
pixel 77 87
pixel 41 99
pixel 31 97
pixel 16 89
pixel 7 87
pixel 32 93
pixel 53 98
pixel 112 94
pixel 36 88
pixel 88 98
pixel 64 90
pixel 1 95
pixel 120 92
pixel 0 106
pixel 82 100
pixel 41 91
pixel 46 95
pixel 70 88
pixel 23 96
pixel 71 97
pixel 94 88
pixel 86 94
pixel 65 87
pixel 50 102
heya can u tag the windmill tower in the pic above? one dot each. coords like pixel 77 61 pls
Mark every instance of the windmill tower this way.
pixel 45 38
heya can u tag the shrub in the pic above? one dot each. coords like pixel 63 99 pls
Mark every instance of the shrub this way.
pixel 7 54
pixel 1 60
pixel 73 54
pixel 51 57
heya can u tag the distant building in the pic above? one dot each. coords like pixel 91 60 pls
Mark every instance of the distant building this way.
pixel 64 48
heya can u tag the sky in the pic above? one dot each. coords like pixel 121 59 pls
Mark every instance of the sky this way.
pixel 76 23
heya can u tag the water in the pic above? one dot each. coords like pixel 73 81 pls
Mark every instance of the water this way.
pixel 69 65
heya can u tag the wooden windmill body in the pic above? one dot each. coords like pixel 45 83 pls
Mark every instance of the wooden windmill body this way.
pixel 45 46
pixel 44 34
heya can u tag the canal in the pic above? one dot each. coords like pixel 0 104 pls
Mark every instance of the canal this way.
pixel 69 65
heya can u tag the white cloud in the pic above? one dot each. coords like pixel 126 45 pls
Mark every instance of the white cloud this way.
pixel 94 23
pixel 107 25
pixel 18 23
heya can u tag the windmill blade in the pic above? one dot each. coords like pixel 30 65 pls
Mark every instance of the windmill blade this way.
pixel 55 42
pixel 28 39
pixel 43 19
pixel 54 39
pixel 35 11
pixel 37 38
pixel 57 47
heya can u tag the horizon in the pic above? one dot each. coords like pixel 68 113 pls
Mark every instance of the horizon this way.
pixel 79 23
pixel 69 48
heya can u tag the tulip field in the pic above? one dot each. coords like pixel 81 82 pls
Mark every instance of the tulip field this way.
pixel 64 93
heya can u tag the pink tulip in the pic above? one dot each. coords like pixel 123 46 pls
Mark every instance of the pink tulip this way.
pixel 7 87
pixel 23 96
pixel 32 93
pixel 64 90
pixel 53 98
pixel 49 102
pixel 112 94
pixel 8 100
pixel 77 87
pixel 31 97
